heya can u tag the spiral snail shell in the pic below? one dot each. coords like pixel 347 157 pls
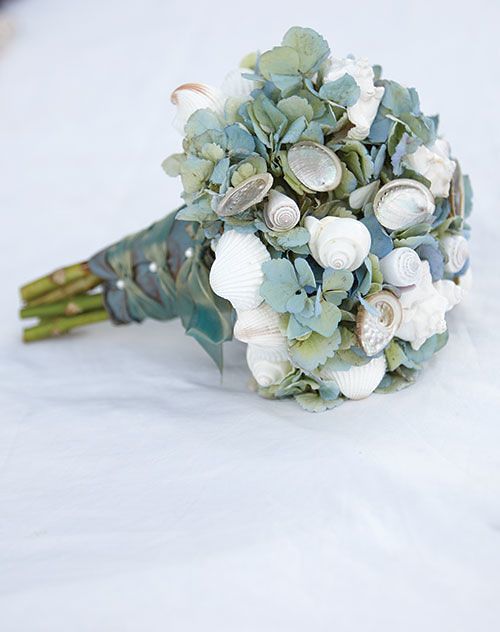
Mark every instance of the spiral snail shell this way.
pixel 375 331
pixel 403 203
pixel 317 167
pixel 341 243
pixel 236 273
pixel 251 191
pixel 401 267
pixel 269 365
pixel 281 213
pixel 456 250
pixel 358 382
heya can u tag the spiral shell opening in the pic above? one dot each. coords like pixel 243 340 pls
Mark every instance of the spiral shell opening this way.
pixel 403 203
pixel 376 328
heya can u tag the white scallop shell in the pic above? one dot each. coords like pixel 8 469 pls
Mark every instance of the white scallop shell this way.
pixel 269 365
pixel 190 97
pixel 281 213
pixel 403 203
pixel 251 191
pixel 401 267
pixel 456 250
pixel 375 331
pixel 236 86
pixel 236 273
pixel 359 381
pixel 341 243
pixel 317 167
pixel 260 325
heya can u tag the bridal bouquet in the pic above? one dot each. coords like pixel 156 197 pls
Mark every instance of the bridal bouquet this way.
pixel 324 224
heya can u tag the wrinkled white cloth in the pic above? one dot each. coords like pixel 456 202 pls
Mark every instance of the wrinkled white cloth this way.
pixel 137 491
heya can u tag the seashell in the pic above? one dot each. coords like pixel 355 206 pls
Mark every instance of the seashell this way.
pixel 375 331
pixel 315 166
pixel 452 292
pixel 190 97
pixel 423 310
pixel 435 164
pixel 401 267
pixel 457 192
pixel 236 86
pixel 252 191
pixel 281 213
pixel 269 365
pixel 364 111
pixel 403 203
pixel 359 381
pixel 260 325
pixel 456 251
pixel 236 273
pixel 341 243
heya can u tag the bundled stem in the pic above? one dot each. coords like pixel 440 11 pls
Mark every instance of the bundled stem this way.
pixel 61 302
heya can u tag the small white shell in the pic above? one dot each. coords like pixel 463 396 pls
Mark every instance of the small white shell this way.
pixel 452 292
pixel 252 191
pixel 259 326
pixel 236 273
pixel 403 203
pixel 317 167
pixel 359 381
pixel 456 250
pixel 281 213
pixel 190 97
pixel 269 365
pixel 376 331
pixel 341 243
pixel 236 86
pixel 401 267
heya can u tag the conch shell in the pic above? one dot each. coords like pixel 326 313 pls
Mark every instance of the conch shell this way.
pixel 402 203
pixel 423 310
pixel 260 326
pixel 452 292
pixel 456 250
pixel 434 163
pixel 364 111
pixel 190 97
pixel 317 167
pixel 401 267
pixel 251 191
pixel 358 382
pixel 236 273
pixel 281 213
pixel 376 330
pixel 341 243
pixel 269 365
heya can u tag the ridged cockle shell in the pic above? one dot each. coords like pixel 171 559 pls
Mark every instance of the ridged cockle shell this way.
pixel 236 273
pixel 190 97
pixel 260 325
pixel 358 382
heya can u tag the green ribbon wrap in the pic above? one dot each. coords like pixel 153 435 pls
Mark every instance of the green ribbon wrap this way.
pixel 162 272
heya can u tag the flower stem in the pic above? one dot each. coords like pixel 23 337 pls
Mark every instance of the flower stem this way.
pixel 51 328
pixel 52 281
pixel 69 307
pixel 75 287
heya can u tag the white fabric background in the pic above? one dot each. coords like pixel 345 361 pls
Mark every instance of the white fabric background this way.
pixel 137 491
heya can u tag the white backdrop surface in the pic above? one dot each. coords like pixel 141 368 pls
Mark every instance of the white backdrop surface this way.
pixel 137 491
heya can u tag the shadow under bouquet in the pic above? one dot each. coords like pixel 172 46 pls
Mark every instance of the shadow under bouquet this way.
pixel 323 224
